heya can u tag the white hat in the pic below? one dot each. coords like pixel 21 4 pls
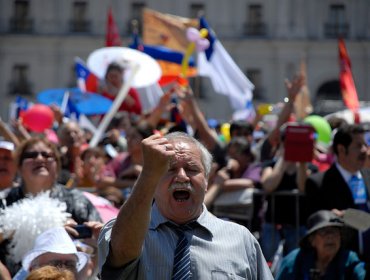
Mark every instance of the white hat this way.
pixel 55 240
pixel 6 145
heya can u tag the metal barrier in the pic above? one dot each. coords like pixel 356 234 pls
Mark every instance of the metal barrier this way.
pixel 240 204
pixel 292 193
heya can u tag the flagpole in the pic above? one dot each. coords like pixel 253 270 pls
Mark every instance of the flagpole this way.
pixel 115 106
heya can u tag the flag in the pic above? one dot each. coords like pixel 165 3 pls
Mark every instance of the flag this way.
pixel 226 77
pixel 169 60
pixel 347 85
pixel 112 37
pixel 20 105
pixel 86 80
pixel 302 103
pixel 70 111
pixel 166 30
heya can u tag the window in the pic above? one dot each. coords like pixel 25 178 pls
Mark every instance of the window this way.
pixel 20 21
pixel 336 25
pixel 20 84
pixel 79 23
pixel 196 10
pixel 136 22
pixel 255 25
pixel 255 76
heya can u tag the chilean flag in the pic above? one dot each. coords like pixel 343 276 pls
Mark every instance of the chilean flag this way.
pixel 86 80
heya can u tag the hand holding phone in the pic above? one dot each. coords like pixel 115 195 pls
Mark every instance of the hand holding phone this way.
pixel 83 231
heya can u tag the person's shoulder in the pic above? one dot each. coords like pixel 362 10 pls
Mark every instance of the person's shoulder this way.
pixel 286 269
pixel 228 227
pixel 293 257
pixel 318 176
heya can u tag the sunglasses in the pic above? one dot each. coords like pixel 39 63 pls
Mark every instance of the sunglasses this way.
pixel 34 155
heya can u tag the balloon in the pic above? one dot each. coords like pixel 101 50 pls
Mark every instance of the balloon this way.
pixel 225 131
pixel 185 59
pixel 38 118
pixel 198 41
pixel 264 108
pixel 322 128
pixel 202 44
pixel 192 34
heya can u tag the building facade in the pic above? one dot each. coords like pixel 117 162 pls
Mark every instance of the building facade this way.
pixel 267 38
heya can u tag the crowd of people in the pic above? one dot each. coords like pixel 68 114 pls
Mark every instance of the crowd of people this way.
pixel 140 203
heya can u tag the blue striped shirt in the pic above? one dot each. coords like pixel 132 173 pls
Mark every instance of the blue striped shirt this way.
pixel 218 250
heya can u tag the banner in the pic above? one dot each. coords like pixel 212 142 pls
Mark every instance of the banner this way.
pixel 166 30
pixel 347 85
pixel 169 60
pixel 112 37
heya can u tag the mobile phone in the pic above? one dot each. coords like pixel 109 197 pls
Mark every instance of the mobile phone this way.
pixel 83 231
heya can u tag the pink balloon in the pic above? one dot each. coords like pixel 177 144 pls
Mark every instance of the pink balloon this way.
pixel 202 44
pixel 38 118
pixel 192 34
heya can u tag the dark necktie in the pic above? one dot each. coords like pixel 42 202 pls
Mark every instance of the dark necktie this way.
pixel 181 263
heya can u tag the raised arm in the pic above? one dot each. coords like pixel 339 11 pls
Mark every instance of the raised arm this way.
pixel 162 106
pixel 131 226
pixel 7 133
pixel 293 88
pixel 191 108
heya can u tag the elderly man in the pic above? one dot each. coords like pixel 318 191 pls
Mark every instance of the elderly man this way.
pixel 176 237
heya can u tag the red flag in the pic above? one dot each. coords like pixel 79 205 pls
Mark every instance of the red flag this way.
pixel 347 85
pixel 112 36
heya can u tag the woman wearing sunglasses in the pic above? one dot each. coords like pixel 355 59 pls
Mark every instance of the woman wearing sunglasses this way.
pixel 39 165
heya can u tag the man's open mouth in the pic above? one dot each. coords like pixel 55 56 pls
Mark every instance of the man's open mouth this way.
pixel 181 195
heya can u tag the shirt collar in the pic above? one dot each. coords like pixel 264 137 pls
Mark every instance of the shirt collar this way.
pixel 345 174
pixel 204 220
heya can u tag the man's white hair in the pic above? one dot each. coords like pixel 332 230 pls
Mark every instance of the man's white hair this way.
pixel 206 156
